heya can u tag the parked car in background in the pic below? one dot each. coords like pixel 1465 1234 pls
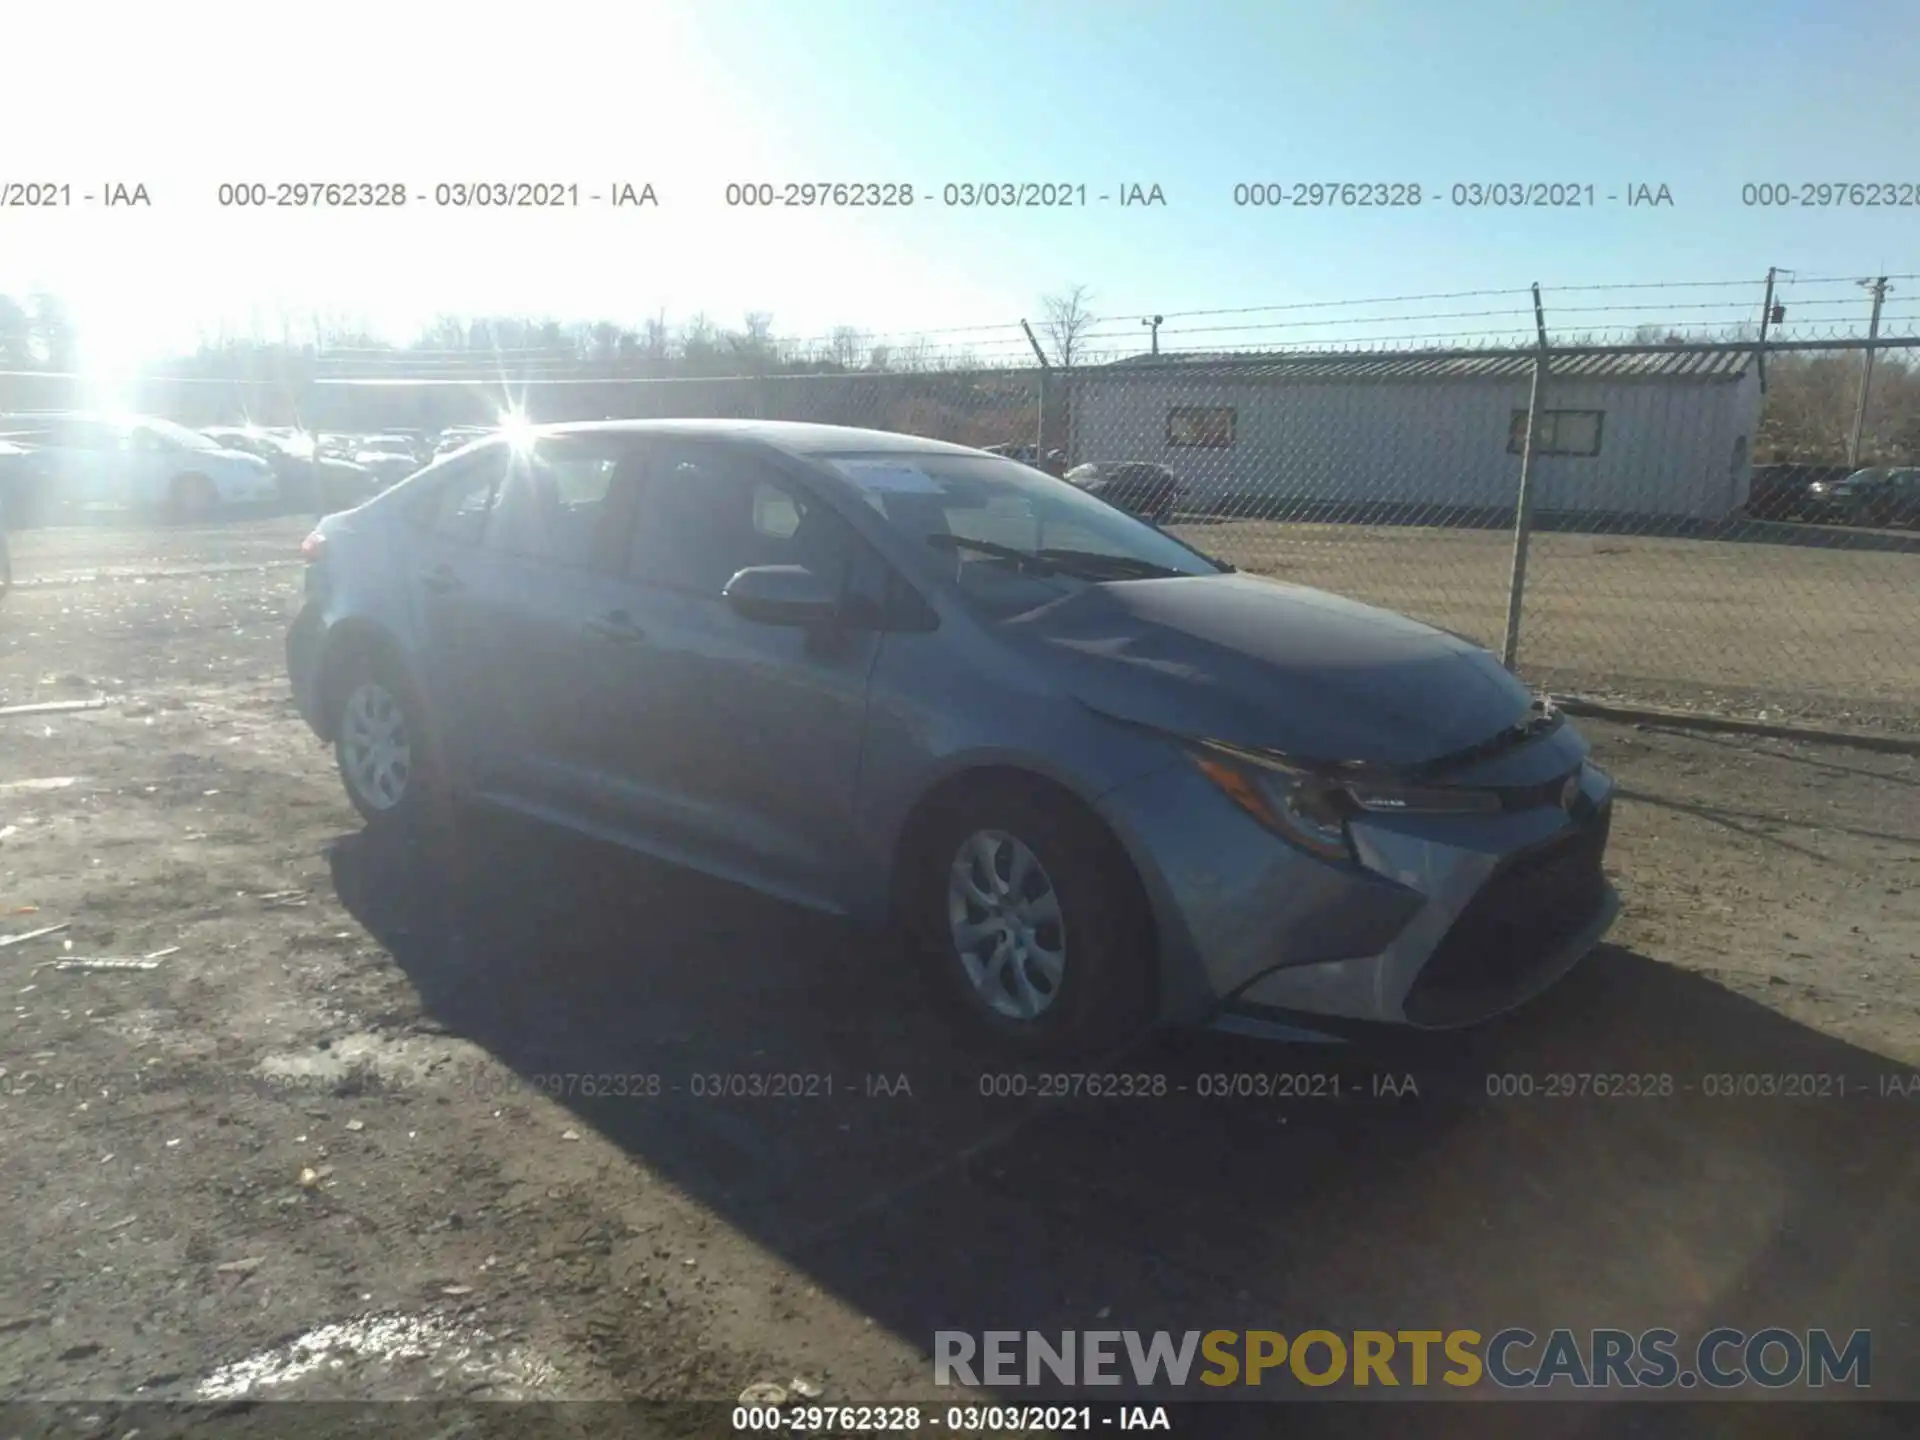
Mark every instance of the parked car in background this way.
pixel 141 463
pixel 1788 492
pixel 1136 486
pixel 458 437
pixel 1096 779
pixel 1053 462
pixel 1881 495
pixel 314 483
pixel 390 458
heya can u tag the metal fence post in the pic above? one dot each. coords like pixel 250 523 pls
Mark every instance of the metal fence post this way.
pixel 1046 377
pixel 1523 510
pixel 1879 288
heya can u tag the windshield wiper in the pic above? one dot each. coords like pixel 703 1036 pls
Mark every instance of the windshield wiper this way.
pixel 1025 559
pixel 1128 566
pixel 1080 564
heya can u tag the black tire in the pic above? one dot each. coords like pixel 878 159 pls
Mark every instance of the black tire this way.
pixel 1105 996
pixel 192 499
pixel 419 798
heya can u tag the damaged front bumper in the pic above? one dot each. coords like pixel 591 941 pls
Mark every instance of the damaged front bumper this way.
pixel 1443 921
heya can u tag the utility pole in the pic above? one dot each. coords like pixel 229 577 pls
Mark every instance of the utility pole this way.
pixel 1155 323
pixel 1766 321
pixel 1879 288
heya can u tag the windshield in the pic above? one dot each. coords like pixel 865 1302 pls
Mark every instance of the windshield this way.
pixel 177 435
pixel 1010 536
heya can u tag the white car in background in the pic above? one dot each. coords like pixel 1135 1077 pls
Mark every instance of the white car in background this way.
pixel 139 463
pixel 392 458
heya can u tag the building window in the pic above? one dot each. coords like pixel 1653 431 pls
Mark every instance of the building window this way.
pixel 1200 427
pixel 1562 432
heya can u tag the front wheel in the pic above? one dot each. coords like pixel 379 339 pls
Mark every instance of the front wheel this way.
pixel 1031 920
pixel 381 747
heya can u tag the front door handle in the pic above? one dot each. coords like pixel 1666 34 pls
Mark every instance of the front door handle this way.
pixel 617 628
pixel 440 580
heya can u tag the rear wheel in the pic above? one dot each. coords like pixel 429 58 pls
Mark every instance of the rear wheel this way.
pixel 380 745
pixel 1030 919
pixel 192 498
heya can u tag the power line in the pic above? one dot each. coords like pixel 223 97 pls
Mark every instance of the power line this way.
pixel 1331 304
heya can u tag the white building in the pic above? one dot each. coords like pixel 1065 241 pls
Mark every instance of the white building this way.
pixel 1654 435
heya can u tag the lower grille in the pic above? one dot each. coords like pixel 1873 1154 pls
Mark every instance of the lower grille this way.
pixel 1530 907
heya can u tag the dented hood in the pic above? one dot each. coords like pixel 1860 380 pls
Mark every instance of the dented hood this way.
pixel 1273 667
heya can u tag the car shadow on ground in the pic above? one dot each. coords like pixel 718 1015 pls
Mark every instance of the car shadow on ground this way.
pixel 1609 1156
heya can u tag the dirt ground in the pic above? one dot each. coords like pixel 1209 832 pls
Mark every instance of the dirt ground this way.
pixel 1782 630
pixel 376 1123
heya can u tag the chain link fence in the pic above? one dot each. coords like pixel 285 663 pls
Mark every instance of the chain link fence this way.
pixel 1604 532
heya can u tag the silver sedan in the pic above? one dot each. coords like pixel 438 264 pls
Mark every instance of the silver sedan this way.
pixel 1094 778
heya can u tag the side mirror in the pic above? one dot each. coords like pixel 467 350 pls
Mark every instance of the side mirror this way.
pixel 781 595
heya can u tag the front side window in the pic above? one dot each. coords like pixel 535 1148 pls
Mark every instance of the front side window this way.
pixel 706 513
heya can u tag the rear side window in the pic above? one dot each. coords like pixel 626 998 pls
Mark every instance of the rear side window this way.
pixel 457 509
pixel 564 503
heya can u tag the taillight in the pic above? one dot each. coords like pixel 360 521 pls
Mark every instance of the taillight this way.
pixel 312 546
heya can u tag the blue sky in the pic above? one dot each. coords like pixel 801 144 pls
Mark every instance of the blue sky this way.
pixel 1195 97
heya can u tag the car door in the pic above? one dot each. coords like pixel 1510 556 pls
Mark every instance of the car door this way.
pixel 729 743
pixel 533 615
pixel 148 464
pixel 453 592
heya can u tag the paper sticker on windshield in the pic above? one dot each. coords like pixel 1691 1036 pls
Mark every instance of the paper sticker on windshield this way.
pixel 889 477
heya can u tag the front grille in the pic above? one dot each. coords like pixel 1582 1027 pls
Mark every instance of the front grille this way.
pixel 1530 907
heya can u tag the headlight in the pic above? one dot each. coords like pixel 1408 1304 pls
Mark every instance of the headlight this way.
pixel 1301 808
pixel 1313 811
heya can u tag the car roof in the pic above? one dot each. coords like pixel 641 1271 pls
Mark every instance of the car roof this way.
pixel 797 438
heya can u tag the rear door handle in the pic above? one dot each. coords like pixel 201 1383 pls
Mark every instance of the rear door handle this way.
pixel 440 580
pixel 617 628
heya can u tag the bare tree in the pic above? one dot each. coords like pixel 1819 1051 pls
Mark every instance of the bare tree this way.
pixel 444 332
pixel 843 348
pixel 653 342
pixel 53 328
pixel 700 344
pixel 1066 321
pixel 16 334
